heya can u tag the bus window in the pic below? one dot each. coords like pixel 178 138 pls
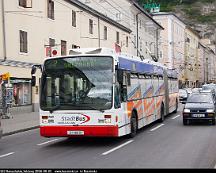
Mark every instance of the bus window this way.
pixel 117 103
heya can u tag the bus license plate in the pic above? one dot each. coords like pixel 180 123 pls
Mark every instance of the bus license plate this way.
pixel 198 115
pixel 75 132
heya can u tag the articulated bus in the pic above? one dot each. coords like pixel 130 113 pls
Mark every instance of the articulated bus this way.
pixel 100 93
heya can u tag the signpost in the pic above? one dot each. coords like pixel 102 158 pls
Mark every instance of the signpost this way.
pixel 6 95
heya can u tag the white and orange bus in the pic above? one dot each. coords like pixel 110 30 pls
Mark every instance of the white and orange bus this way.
pixel 97 92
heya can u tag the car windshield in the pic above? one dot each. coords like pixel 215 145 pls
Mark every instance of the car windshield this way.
pixel 200 98
pixel 77 83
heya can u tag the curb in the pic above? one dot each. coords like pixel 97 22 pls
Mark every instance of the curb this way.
pixel 19 131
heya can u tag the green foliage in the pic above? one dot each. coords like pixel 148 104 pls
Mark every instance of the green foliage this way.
pixel 189 7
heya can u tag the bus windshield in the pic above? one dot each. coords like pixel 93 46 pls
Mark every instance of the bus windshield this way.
pixel 77 83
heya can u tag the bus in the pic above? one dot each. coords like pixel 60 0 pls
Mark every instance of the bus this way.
pixel 100 93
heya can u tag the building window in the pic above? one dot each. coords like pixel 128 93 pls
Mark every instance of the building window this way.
pixel 50 9
pixel 25 3
pixel 90 26
pixel 21 91
pixel 105 33
pixel 118 16
pixel 51 42
pixel 63 47
pixel 23 42
pixel 117 38
pixel 140 45
pixel 49 48
pixel 73 18
pixel 135 41
pixel 126 41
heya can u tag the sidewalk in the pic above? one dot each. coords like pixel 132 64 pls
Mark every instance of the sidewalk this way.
pixel 20 122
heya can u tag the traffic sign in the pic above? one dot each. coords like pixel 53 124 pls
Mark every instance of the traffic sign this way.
pixel 5 76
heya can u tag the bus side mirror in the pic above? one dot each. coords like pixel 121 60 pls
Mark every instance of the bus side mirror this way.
pixel 120 76
pixel 33 71
pixel 33 81
pixel 124 93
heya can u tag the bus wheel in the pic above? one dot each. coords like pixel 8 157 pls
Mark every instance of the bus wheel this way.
pixel 162 114
pixel 134 125
pixel 176 109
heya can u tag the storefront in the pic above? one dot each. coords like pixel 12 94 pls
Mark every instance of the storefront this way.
pixel 22 91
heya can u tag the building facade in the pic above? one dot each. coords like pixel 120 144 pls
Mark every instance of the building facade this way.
pixel 172 41
pixel 192 61
pixel 32 30
pixel 145 30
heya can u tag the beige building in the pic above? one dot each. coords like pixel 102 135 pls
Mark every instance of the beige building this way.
pixel 172 42
pixel 202 64
pixel 192 61
pixel 210 61
pixel 31 30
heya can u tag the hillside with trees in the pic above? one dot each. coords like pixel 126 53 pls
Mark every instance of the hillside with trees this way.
pixel 199 14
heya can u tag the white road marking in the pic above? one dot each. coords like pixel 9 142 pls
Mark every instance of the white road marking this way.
pixel 215 167
pixel 157 127
pixel 116 148
pixel 176 117
pixel 44 143
pixel 5 155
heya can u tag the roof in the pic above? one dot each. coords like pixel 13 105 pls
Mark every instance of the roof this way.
pixel 147 14
pixel 193 31
pixel 97 14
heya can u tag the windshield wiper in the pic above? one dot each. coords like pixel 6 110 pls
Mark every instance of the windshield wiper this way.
pixel 96 109
pixel 51 110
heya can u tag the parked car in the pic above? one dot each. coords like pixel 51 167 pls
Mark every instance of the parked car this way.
pixel 199 107
pixel 196 90
pixel 183 95
pixel 209 87
pixel 210 91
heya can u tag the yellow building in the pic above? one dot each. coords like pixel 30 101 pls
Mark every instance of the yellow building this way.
pixel 192 71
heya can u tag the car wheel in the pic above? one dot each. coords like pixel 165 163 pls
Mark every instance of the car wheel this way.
pixel 185 122
pixel 213 121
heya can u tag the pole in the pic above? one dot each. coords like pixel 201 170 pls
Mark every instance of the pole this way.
pixel 4 31
pixel 137 22
pixel 99 44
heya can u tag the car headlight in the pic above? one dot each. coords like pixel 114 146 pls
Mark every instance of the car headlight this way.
pixel 186 110
pixel 210 110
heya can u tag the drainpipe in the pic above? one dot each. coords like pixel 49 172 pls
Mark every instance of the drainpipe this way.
pixel 99 43
pixel 137 20
pixel 3 32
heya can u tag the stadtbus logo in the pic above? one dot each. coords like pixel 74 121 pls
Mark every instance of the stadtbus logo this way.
pixel 74 119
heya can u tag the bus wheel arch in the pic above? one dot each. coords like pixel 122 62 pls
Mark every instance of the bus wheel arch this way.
pixel 176 108
pixel 133 123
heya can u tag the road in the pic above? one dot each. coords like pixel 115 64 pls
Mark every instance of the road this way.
pixel 160 145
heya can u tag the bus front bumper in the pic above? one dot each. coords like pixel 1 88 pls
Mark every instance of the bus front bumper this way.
pixel 79 131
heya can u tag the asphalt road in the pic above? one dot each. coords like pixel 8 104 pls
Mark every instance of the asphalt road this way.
pixel 160 145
